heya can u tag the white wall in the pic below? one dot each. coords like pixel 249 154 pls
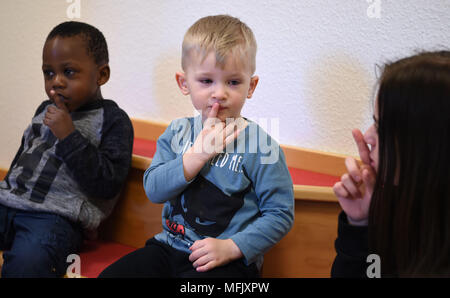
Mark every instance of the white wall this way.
pixel 315 59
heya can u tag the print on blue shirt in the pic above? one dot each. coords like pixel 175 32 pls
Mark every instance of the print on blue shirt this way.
pixel 206 208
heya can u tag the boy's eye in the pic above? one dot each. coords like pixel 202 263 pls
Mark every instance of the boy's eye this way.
pixel 48 73
pixel 206 81
pixel 69 72
pixel 234 82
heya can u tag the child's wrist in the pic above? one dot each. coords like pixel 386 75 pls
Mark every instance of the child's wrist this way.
pixel 235 251
pixel 192 164
pixel 199 158
pixel 63 135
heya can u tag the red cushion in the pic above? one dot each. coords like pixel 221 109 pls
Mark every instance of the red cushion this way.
pixel 147 148
pixel 97 255
pixel 303 177
pixel 144 147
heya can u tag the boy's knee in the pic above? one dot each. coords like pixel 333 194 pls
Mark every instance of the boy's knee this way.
pixel 31 261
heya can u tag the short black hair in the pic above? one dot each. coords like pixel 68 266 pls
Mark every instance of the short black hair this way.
pixel 95 41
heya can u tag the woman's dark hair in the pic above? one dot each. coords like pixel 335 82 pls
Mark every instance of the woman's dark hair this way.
pixel 96 45
pixel 409 221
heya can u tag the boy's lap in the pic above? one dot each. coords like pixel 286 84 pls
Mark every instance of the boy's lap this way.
pixel 38 241
pixel 157 259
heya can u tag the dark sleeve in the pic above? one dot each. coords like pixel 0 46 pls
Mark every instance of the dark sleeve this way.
pixel 352 250
pixel 101 171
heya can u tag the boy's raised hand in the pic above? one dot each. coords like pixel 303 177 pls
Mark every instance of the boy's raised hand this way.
pixel 213 138
pixel 58 118
pixel 355 189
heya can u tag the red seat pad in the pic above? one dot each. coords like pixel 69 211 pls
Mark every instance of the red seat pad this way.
pixel 147 148
pixel 303 177
pixel 97 255
pixel 144 147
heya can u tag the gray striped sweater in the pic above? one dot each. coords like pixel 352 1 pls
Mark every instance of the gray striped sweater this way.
pixel 79 177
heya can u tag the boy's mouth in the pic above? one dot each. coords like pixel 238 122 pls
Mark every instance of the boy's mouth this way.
pixel 62 97
pixel 220 108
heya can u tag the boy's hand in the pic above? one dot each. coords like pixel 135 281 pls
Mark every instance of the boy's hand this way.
pixel 355 189
pixel 213 138
pixel 211 252
pixel 215 135
pixel 58 118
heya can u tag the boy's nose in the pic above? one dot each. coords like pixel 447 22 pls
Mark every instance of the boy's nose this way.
pixel 58 81
pixel 219 92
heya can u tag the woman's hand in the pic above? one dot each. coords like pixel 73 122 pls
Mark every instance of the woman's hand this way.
pixel 355 189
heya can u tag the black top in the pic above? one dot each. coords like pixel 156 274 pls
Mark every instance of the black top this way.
pixel 352 250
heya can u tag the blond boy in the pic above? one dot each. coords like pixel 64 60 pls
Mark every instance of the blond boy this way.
pixel 224 206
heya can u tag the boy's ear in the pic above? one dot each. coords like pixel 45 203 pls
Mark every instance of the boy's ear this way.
pixel 182 83
pixel 103 74
pixel 253 82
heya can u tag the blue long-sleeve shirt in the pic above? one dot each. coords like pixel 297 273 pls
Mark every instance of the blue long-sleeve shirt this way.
pixel 245 193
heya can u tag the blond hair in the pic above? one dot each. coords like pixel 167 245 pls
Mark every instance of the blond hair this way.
pixel 223 35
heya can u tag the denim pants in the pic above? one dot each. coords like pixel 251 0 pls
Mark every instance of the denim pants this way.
pixel 36 244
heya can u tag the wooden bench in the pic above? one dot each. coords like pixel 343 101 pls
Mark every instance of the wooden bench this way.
pixel 306 251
